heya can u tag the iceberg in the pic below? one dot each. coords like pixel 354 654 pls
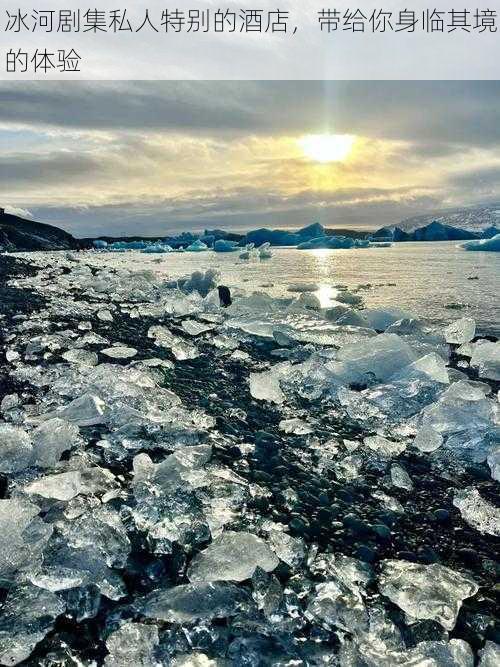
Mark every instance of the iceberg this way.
pixel 486 245
pixel 197 246
pixel 157 248
pixel 221 245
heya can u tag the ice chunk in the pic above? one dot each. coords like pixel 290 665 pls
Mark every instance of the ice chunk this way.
pixel 55 578
pixel 232 557
pixel 266 386
pixel 87 410
pixel 494 463
pixel 179 348
pixel 51 439
pixel 337 606
pixel 486 359
pixel 195 602
pixel 199 281
pixel 339 602
pixel 400 477
pixel 460 332
pixel 194 328
pixel 132 644
pixel 8 402
pixel 347 297
pixel 291 550
pixel 16 448
pixel 82 357
pixel 64 486
pixel 27 615
pixel 303 287
pixel 427 439
pixel 24 536
pixel 382 319
pixel 372 360
pixel 295 426
pixel 105 315
pixel 432 592
pixel 383 446
pixel 490 655
pixel 477 512
pixel 118 352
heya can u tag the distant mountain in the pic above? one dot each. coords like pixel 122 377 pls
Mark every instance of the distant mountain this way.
pixel 474 219
pixel 19 234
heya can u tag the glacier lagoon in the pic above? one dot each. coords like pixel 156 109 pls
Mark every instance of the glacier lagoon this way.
pixel 436 281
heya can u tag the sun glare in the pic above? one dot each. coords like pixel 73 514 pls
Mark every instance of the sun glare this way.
pixel 327 147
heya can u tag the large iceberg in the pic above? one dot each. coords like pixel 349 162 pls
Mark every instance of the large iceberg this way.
pixel 487 245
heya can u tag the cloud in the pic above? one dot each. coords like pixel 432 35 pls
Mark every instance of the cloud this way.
pixel 432 111
pixel 117 157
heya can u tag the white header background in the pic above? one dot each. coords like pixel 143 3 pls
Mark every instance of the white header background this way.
pixel 307 54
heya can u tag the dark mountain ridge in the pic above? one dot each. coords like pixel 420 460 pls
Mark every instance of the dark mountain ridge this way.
pixel 20 234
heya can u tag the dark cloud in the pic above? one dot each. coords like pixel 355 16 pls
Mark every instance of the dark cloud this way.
pixel 27 169
pixel 437 112
pixel 487 177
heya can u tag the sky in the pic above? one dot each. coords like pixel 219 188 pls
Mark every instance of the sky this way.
pixel 152 158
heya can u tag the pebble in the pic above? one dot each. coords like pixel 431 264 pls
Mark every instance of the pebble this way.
pixel 298 526
pixel 366 554
pixel 382 531
pixel 441 515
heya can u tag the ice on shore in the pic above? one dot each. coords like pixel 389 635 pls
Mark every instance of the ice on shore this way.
pixel 232 557
pixel 486 360
pixel 132 644
pixel 477 512
pixel 16 448
pixel 195 602
pixel 433 592
pixel 27 616
pixel 370 362
pixel 460 332
pixel 24 536
pixel 121 492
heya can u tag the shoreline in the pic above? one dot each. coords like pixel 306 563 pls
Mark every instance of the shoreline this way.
pixel 325 514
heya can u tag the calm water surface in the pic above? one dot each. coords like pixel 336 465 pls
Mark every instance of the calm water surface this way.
pixel 425 278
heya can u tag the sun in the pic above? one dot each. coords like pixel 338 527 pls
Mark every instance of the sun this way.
pixel 327 147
